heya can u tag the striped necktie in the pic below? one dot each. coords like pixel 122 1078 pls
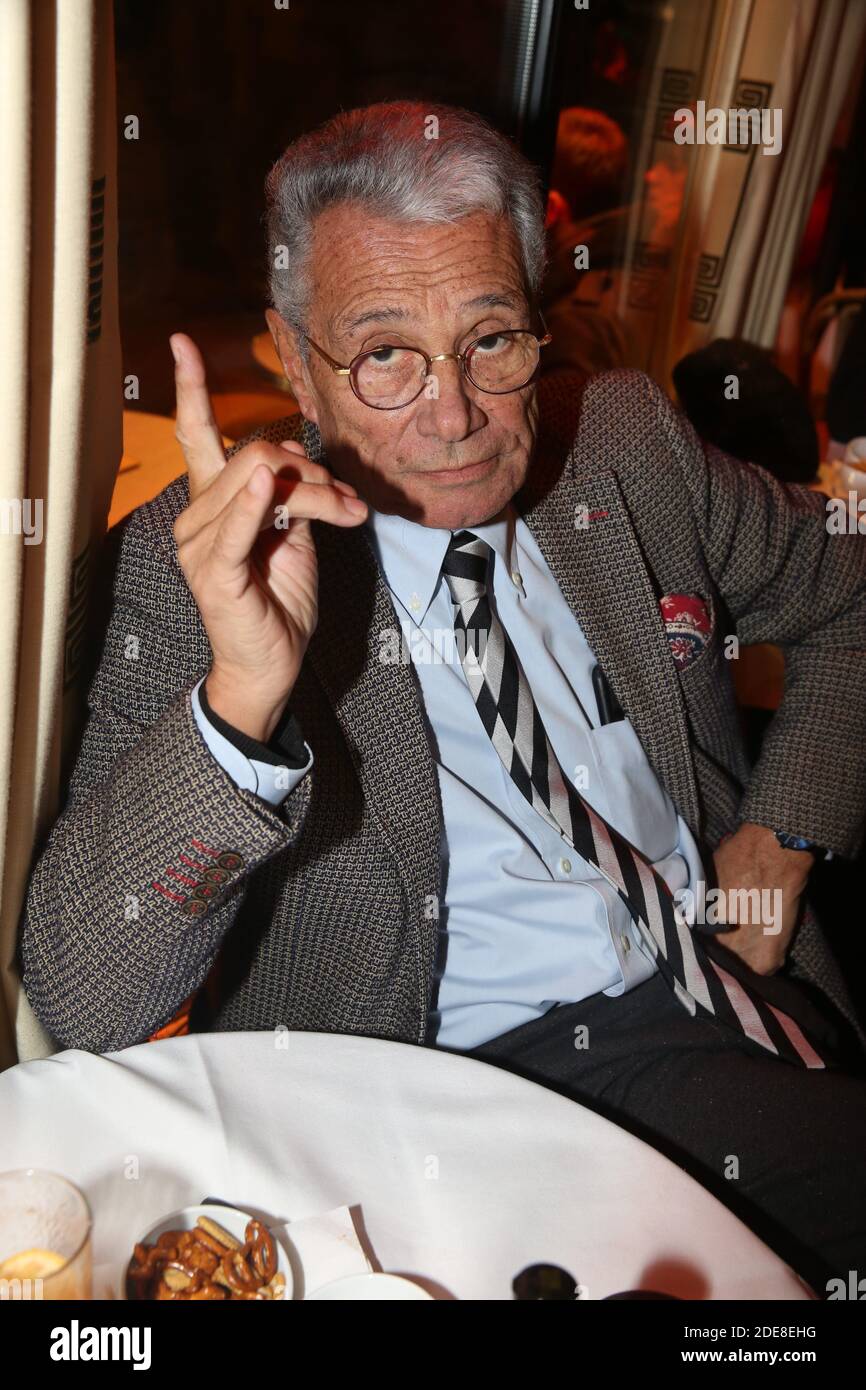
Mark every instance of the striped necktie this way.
pixel 511 719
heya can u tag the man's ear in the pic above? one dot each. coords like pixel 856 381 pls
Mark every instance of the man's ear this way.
pixel 294 366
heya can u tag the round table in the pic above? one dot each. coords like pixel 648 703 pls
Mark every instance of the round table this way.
pixel 463 1172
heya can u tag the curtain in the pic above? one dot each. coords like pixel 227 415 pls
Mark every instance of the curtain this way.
pixel 61 406
pixel 713 230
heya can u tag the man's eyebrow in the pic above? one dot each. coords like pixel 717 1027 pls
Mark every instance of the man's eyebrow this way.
pixel 494 300
pixel 381 315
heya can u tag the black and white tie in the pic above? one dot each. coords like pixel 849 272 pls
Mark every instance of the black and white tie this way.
pixel 513 724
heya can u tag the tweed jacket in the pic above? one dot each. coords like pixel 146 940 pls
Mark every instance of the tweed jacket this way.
pixel 324 914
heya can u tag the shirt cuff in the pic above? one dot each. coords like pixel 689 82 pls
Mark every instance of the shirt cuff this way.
pixel 252 766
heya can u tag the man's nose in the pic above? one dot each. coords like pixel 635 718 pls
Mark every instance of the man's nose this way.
pixel 446 409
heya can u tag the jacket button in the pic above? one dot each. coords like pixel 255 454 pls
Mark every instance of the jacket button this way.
pixel 230 860
pixel 206 891
pixel 194 907
pixel 216 875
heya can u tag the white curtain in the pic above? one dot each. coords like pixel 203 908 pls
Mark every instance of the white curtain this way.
pixel 714 229
pixel 61 407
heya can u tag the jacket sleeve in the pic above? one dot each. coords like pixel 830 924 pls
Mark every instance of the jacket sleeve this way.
pixel 787 578
pixel 111 945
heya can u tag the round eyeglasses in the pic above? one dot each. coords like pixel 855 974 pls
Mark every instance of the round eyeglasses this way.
pixel 390 376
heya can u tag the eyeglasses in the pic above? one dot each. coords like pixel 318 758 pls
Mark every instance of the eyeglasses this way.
pixel 391 375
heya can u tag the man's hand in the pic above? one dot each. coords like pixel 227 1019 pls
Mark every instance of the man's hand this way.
pixel 256 585
pixel 752 859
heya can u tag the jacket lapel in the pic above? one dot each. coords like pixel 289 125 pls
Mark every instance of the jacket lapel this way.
pixel 604 578
pixel 378 707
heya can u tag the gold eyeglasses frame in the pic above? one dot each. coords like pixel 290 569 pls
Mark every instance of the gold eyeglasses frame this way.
pixel 464 358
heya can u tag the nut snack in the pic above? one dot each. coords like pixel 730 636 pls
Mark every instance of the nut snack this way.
pixel 207 1262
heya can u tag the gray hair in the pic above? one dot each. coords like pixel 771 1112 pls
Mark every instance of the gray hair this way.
pixel 383 156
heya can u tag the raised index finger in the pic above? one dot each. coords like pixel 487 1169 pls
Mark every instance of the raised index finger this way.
pixel 196 428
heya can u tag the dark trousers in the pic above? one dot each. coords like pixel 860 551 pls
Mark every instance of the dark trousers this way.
pixel 700 1094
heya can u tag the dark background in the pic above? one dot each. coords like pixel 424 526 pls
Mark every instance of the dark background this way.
pixel 220 87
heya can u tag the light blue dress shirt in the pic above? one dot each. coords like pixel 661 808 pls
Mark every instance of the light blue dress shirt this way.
pixel 271 782
pixel 526 922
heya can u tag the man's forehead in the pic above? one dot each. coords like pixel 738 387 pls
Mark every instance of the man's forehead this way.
pixel 392 313
pixel 369 268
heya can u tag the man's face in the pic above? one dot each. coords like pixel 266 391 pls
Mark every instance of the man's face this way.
pixel 454 456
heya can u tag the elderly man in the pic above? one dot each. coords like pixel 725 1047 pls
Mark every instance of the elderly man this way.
pixel 415 721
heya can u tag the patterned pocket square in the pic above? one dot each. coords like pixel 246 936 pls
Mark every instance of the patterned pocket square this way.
pixel 688 625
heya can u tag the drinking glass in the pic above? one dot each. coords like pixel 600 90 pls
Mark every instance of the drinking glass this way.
pixel 45 1226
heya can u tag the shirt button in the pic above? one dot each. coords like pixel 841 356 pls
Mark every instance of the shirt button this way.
pixel 516 578
pixel 626 944
pixel 565 865
pixel 414 603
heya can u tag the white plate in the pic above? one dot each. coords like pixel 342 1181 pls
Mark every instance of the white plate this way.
pixel 381 1288
pixel 230 1218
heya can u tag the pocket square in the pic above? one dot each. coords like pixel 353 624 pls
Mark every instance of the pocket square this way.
pixel 688 626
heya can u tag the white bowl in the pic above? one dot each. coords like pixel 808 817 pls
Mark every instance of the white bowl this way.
pixel 381 1288
pixel 232 1219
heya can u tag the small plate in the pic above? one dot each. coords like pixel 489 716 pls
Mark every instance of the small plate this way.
pixel 232 1219
pixel 381 1288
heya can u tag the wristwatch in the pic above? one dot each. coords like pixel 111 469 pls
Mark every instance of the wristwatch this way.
pixel 800 842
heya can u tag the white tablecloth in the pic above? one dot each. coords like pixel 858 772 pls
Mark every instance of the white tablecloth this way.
pixel 462 1173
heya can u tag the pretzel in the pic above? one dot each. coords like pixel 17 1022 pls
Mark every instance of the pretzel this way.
pixel 263 1250
pixel 240 1278
pixel 207 1263
pixel 208 1290
pixel 215 1246
pixel 217 1233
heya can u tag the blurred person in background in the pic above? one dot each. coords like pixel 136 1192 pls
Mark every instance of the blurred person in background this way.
pixel 766 421
pixel 587 207
pixel 584 209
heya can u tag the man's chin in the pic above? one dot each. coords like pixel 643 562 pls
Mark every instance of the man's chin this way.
pixel 460 507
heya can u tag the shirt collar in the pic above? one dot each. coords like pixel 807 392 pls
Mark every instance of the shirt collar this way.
pixel 410 555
